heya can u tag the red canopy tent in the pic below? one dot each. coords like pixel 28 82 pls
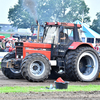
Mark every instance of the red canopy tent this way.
pixel 1 36
pixel 34 34
pixel 11 38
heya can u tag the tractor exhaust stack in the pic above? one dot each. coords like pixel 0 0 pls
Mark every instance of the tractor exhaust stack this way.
pixel 38 31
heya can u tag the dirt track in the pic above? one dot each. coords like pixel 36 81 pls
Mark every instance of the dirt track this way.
pixel 52 96
pixel 4 81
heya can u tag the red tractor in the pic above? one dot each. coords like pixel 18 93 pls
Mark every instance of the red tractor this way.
pixel 61 50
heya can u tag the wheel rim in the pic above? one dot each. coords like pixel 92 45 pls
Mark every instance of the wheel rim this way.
pixel 37 68
pixel 87 65
pixel 16 71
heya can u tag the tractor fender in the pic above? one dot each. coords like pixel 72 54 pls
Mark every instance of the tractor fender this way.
pixel 75 45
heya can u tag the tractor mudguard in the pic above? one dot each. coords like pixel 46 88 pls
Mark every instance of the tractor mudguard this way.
pixel 74 45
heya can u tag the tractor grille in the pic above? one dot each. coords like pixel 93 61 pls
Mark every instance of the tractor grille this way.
pixel 19 51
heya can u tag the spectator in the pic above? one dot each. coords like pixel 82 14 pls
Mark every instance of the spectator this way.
pixel 3 44
pixel 12 48
pixel 8 45
pixel 0 41
pixel 35 40
pixel 30 40
pixel 6 40
pixel 1 49
pixel 13 43
pixel 24 40
pixel 99 46
pixel 96 48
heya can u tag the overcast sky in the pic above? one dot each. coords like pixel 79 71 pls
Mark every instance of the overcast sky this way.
pixel 4 8
pixel 94 6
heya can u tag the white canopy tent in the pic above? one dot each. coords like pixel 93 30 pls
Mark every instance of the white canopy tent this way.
pixel 87 34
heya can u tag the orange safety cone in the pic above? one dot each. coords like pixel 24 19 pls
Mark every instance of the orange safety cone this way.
pixel 60 80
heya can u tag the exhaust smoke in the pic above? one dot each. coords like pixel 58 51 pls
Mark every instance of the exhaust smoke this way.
pixel 30 6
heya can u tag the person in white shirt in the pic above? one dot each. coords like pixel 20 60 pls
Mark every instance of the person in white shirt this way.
pixel 8 45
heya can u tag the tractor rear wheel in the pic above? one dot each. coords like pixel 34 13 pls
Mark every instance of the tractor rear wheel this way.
pixel 82 64
pixel 11 73
pixel 35 67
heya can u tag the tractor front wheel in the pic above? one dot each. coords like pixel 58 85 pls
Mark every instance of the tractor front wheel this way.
pixel 35 67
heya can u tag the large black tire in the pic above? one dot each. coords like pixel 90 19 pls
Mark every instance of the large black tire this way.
pixel 35 67
pixel 11 73
pixel 82 64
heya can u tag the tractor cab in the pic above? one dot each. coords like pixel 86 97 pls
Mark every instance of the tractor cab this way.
pixel 61 36
pixel 61 33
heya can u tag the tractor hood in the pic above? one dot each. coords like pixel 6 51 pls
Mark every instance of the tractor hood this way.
pixel 23 49
pixel 37 45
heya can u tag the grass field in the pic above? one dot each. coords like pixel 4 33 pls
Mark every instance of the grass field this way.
pixel 71 88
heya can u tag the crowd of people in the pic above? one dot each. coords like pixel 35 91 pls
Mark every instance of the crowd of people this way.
pixel 8 45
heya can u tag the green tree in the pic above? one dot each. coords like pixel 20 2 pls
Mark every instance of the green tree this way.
pixel 19 17
pixel 96 23
pixel 63 10
pixel 48 10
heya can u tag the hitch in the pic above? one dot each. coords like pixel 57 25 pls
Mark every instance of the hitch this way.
pixel 12 63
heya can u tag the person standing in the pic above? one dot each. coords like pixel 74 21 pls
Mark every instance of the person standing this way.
pixel 96 48
pixel 3 44
pixel 6 40
pixel 30 40
pixel 8 45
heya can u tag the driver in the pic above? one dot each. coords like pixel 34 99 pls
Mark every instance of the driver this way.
pixel 63 37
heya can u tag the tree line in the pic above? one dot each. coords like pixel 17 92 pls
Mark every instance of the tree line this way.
pixel 26 12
